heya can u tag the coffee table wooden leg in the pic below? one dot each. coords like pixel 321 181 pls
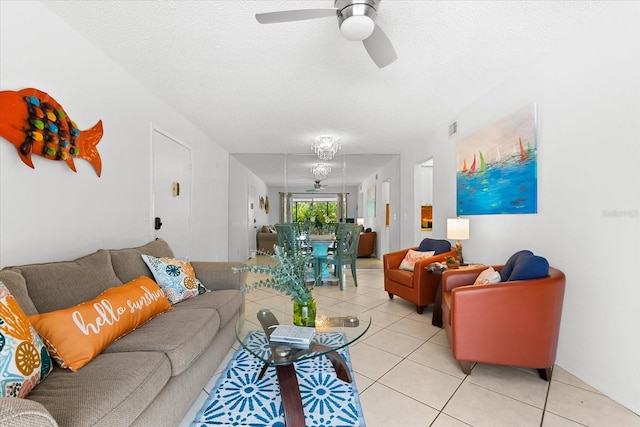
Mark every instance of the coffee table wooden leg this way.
pixel 290 394
pixel 340 366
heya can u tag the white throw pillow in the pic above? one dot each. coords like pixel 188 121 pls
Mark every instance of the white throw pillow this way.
pixel 488 277
pixel 410 259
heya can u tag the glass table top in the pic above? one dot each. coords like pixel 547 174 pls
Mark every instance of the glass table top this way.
pixel 335 329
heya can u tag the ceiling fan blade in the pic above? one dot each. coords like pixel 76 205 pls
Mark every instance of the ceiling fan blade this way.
pixel 380 48
pixel 294 15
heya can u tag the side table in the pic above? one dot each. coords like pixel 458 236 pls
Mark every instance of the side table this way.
pixel 439 268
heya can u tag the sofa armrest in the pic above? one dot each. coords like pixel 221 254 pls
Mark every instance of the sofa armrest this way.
pixel 16 412
pixel 219 275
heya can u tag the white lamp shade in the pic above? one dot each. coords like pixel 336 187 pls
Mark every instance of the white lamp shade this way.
pixel 458 228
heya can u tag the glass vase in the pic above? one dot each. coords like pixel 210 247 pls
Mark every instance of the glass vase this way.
pixel 304 313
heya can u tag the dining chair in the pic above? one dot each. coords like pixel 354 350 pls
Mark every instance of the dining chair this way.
pixel 287 237
pixel 347 237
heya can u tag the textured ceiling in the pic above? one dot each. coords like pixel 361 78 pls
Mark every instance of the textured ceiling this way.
pixel 272 89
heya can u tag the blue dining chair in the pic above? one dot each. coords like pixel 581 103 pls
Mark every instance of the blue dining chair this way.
pixel 346 252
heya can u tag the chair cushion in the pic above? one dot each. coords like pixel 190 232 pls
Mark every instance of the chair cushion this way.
pixel 402 277
pixel 508 266
pixel 439 246
pixel 529 267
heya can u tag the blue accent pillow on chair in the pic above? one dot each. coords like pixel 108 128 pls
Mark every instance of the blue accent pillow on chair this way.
pixel 439 246
pixel 511 262
pixel 530 267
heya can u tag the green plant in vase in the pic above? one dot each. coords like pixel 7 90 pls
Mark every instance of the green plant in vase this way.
pixel 289 276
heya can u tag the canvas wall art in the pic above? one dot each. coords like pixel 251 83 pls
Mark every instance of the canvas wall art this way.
pixel 371 202
pixel 496 167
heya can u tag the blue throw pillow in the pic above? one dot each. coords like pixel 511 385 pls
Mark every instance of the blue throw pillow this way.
pixel 508 266
pixel 529 267
pixel 438 246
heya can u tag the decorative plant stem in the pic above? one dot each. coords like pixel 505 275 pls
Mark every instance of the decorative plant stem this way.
pixel 287 276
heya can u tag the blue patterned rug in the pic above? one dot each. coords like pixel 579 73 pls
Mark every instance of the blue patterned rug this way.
pixel 240 399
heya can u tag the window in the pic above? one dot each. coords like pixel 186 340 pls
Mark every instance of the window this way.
pixel 305 208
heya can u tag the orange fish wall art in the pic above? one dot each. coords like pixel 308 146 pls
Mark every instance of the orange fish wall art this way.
pixel 36 124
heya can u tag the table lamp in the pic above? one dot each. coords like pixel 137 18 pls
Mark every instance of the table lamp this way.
pixel 458 228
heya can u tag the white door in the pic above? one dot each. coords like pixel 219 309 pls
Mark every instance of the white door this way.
pixel 171 171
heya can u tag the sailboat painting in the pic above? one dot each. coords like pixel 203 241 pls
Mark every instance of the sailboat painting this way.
pixel 496 167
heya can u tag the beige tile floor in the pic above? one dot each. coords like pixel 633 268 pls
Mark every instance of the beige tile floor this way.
pixel 407 376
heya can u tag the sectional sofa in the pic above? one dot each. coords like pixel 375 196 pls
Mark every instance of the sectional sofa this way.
pixel 149 376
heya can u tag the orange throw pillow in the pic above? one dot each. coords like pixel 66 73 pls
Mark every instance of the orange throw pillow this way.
pixel 75 335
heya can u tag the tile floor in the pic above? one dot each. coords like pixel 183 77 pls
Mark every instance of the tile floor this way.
pixel 407 376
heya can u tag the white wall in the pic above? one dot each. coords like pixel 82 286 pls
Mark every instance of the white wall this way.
pixel 240 231
pixel 588 96
pixel 386 237
pixel 51 213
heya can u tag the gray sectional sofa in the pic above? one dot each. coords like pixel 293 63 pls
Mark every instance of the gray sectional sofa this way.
pixel 149 377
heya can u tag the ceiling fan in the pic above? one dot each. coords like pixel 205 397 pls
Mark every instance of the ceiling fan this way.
pixel 317 186
pixel 356 20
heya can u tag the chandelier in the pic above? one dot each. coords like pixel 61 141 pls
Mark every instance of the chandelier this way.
pixel 320 171
pixel 326 147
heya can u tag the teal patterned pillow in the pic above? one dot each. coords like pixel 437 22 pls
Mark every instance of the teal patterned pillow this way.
pixel 24 360
pixel 176 278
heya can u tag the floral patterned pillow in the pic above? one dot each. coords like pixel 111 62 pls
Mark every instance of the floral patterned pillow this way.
pixel 24 360
pixel 176 278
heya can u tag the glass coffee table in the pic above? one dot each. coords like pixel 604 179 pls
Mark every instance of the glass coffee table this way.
pixel 334 330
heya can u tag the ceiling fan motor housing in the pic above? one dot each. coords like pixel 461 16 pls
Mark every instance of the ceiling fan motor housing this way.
pixel 356 18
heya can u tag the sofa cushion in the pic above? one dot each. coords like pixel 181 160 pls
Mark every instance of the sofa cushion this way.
pixel 176 278
pixel 439 246
pixel 128 264
pixel 506 270
pixel 529 267
pixel 75 335
pixel 58 285
pixel 182 335
pixel 112 390
pixel 18 288
pixel 409 261
pixel 24 360
pixel 226 302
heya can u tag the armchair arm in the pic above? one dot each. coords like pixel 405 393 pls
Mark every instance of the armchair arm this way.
pixel 219 275
pixel 452 279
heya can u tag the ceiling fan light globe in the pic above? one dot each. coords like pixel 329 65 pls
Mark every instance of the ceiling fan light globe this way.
pixel 357 28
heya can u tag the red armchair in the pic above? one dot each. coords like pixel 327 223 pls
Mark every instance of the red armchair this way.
pixel 417 286
pixel 513 323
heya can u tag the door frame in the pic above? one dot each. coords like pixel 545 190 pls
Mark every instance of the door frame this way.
pixel 153 128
